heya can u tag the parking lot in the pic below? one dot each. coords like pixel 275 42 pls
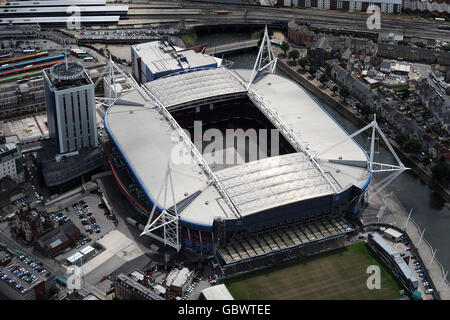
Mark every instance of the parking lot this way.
pixel 90 216
pixel 416 268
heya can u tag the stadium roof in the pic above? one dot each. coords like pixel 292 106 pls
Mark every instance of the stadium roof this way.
pixel 258 185
pixel 192 86
pixel 272 182
pixel 315 128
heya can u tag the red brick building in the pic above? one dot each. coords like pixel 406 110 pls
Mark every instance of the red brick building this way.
pixel 299 34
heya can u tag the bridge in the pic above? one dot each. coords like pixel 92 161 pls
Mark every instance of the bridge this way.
pixel 232 47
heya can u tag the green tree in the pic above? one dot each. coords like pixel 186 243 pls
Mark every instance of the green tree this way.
pixel 413 146
pixel 293 54
pixel 303 62
pixel 53 291
pixel 441 172
pixel 420 44
pixel 345 92
pixel 335 88
pixel 134 296
pixel 285 47
pixel 401 139
pixel 365 109
pixel 324 78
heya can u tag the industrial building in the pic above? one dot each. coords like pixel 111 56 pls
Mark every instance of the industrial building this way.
pixel 386 6
pixel 156 59
pixel 11 162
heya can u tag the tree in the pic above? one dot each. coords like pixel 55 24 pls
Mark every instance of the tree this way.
pixel 441 172
pixel 345 92
pixel 365 109
pixel 401 138
pixel 335 88
pixel 294 54
pixel 134 296
pixel 285 47
pixel 303 62
pixel 312 70
pixel 324 78
pixel 413 146
pixel 420 44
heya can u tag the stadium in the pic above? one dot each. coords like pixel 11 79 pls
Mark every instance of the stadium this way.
pixel 268 209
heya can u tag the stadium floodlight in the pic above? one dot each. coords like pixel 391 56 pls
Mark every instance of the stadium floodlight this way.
pixel 265 55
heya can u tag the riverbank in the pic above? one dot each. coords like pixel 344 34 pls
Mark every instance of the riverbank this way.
pixel 353 116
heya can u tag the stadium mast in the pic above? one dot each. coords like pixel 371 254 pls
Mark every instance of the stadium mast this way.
pixel 265 54
pixel 372 166
pixel 167 220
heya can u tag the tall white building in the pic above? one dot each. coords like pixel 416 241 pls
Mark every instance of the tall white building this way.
pixel 71 113
pixel 11 162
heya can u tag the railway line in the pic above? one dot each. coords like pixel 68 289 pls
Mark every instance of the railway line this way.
pixel 246 14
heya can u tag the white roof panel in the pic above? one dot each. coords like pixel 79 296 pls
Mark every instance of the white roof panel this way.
pixel 187 87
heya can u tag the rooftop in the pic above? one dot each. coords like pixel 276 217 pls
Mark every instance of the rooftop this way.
pixel 160 57
pixel 218 292
pixel 68 75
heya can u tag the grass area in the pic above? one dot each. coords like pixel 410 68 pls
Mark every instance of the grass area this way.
pixel 339 274
pixel 189 38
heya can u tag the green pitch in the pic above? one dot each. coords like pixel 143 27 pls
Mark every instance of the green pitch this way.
pixel 339 274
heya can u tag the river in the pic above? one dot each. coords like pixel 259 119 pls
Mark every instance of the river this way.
pixel 428 210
